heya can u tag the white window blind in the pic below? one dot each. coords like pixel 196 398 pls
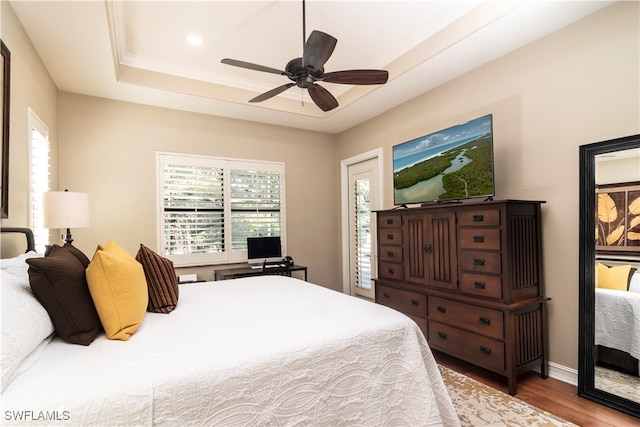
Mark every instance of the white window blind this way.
pixel 39 176
pixel 209 206
pixel 362 231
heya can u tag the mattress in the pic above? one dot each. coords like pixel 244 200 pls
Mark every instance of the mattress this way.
pixel 267 350
pixel 617 323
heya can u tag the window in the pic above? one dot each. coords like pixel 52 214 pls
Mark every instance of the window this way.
pixel 39 174
pixel 208 207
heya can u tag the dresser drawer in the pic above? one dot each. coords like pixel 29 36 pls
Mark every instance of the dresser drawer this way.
pixel 390 221
pixel 477 284
pixel 480 262
pixel 421 322
pixel 389 270
pixel 390 253
pixel 403 301
pixel 472 318
pixel 473 348
pixel 481 218
pixel 391 236
pixel 480 238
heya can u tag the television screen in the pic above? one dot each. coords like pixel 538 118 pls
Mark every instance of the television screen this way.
pixel 266 248
pixel 449 165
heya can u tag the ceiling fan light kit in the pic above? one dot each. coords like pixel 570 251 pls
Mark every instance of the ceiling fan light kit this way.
pixel 306 71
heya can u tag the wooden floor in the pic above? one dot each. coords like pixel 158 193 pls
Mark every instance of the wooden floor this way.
pixel 551 395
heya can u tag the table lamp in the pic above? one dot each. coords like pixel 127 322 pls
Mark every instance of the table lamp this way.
pixel 65 209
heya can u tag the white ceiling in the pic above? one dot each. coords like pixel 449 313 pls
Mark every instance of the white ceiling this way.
pixel 137 51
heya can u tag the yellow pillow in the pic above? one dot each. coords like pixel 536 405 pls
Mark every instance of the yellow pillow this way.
pixel 119 290
pixel 612 277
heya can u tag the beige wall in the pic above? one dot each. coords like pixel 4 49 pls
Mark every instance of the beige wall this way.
pixel 31 86
pixel 577 86
pixel 108 149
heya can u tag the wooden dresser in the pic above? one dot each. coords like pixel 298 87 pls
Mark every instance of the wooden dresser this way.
pixel 470 275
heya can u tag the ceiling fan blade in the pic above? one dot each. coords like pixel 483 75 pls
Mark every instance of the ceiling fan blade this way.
pixel 323 99
pixel 318 49
pixel 357 77
pixel 272 93
pixel 251 66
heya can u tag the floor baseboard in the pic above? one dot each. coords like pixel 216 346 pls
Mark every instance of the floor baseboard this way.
pixel 561 373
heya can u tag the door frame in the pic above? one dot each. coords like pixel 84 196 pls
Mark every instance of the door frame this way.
pixel 376 154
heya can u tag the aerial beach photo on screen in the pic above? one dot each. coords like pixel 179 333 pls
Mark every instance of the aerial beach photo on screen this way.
pixel 449 165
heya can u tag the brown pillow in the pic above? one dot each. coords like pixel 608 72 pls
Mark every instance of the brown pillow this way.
pixel 58 281
pixel 161 280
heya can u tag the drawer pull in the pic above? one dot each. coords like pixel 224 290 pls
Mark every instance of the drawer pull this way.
pixel 390 254
pixel 442 335
pixel 389 221
pixel 485 350
pixel 478 261
pixel 479 285
pixel 415 302
pixel 442 309
pixel 485 321
pixel 478 218
pixel 427 249
pixel 386 295
pixel 389 236
pixel 391 271
pixel 478 239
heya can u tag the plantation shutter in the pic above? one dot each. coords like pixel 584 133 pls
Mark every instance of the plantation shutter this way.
pixel 255 205
pixel 209 206
pixel 39 176
pixel 362 231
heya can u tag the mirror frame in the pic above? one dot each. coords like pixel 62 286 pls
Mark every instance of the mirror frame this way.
pixel 587 253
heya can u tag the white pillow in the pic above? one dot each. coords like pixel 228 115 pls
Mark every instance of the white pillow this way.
pixel 634 284
pixel 18 266
pixel 25 324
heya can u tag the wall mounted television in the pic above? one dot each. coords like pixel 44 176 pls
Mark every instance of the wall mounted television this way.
pixel 446 166
pixel 265 248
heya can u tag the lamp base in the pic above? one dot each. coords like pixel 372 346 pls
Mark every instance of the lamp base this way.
pixel 68 239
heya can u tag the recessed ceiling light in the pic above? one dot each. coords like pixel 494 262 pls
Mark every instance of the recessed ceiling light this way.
pixel 194 40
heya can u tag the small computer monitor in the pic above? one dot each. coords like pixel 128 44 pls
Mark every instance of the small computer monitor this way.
pixel 264 248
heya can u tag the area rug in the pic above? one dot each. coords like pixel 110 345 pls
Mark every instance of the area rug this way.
pixel 479 405
pixel 618 383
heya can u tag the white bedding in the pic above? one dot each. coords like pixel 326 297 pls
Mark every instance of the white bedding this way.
pixel 267 350
pixel 617 323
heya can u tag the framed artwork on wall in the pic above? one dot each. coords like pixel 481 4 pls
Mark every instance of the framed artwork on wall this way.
pixel 618 217
pixel 5 75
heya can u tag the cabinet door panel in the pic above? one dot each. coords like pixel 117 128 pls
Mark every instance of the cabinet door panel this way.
pixel 414 249
pixel 441 251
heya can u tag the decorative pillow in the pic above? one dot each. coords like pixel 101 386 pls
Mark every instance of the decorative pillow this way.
pixel 59 283
pixel 119 290
pixel 634 283
pixel 18 266
pixel 76 253
pixel 616 277
pixel 25 324
pixel 161 280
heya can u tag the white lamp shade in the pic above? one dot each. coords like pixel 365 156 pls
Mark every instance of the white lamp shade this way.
pixel 65 209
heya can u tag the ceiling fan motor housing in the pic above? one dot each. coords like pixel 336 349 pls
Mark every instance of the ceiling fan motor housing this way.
pixel 303 77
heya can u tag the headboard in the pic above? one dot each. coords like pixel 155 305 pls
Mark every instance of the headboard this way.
pixel 28 234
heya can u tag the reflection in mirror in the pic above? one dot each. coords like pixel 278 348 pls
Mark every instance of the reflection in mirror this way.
pixel 610 273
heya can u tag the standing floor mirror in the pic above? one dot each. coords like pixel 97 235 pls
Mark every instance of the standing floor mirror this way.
pixel 609 282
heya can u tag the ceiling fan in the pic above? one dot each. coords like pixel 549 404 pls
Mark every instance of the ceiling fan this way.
pixel 306 71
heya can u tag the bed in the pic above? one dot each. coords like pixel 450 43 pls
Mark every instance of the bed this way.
pixel 617 309
pixel 268 350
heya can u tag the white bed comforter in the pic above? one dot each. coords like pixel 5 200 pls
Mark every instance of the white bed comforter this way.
pixel 617 323
pixel 257 351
